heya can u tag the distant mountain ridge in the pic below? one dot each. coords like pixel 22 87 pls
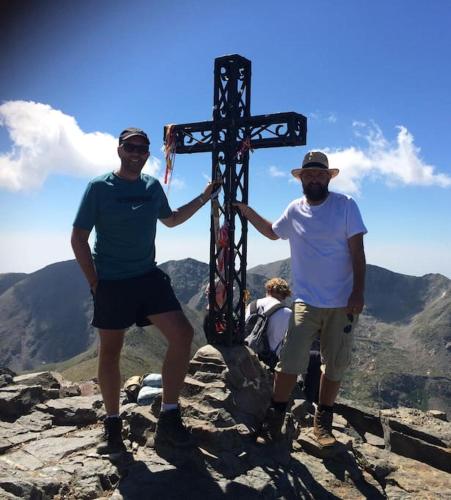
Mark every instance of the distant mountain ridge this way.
pixel 403 342
pixel 389 296
pixel 45 317
pixel 10 279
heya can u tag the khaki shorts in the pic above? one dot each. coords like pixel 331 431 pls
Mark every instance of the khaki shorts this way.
pixel 336 329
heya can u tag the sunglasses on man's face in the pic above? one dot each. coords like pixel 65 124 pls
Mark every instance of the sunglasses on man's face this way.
pixel 141 149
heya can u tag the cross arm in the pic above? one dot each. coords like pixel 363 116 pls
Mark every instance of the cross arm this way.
pixel 265 131
pixel 274 130
pixel 192 137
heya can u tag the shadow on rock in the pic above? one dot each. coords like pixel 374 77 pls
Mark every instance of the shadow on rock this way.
pixel 296 481
pixel 343 465
pixel 180 474
pixel 286 478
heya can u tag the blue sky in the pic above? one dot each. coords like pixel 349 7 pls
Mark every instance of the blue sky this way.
pixel 373 78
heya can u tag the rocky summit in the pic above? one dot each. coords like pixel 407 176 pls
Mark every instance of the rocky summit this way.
pixel 49 429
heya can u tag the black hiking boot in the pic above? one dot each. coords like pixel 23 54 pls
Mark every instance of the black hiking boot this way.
pixel 271 429
pixel 112 437
pixel 171 430
pixel 322 428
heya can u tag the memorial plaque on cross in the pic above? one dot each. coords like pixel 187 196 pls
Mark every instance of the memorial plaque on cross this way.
pixel 230 136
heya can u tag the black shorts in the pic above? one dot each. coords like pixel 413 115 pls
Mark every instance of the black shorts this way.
pixel 119 304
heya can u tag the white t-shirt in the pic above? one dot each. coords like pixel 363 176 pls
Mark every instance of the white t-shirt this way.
pixel 321 264
pixel 278 321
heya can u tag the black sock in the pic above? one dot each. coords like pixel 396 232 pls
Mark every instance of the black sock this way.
pixel 279 405
pixel 325 408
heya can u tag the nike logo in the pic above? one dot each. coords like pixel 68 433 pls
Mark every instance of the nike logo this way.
pixel 135 207
pixel 109 183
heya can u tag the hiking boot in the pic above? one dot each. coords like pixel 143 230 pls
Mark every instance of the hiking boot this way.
pixel 322 428
pixel 171 430
pixel 271 428
pixel 112 437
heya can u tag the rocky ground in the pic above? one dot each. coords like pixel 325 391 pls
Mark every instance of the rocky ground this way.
pixel 49 428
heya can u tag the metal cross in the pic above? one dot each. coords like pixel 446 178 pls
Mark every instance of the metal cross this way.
pixel 230 136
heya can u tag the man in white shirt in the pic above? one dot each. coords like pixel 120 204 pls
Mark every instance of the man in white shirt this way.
pixel 325 231
pixel 277 290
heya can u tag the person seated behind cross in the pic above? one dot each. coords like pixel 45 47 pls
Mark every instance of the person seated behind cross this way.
pixel 277 290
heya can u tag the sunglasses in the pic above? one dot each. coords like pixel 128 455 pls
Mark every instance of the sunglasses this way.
pixel 348 328
pixel 141 149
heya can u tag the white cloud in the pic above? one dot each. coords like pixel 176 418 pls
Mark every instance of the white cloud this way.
pixel 397 163
pixel 331 118
pixel 175 182
pixel 46 141
pixel 276 172
pixel 321 116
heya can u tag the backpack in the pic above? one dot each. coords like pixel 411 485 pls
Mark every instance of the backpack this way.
pixel 255 335
pixel 135 385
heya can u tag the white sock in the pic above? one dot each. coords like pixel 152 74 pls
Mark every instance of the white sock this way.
pixel 113 416
pixel 169 406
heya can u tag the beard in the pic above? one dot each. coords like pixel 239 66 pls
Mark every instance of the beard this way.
pixel 314 191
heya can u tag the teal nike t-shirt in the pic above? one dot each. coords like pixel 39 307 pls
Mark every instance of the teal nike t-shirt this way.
pixel 124 214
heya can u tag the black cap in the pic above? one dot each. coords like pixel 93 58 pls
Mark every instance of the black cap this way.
pixel 131 132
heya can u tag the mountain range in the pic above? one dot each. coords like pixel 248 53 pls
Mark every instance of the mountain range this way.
pixel 402 353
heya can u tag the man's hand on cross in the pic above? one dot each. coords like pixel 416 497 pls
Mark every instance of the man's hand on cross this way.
pixel 210 188
pixel 243 208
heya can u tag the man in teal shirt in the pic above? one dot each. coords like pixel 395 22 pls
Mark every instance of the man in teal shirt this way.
pixel 127 287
